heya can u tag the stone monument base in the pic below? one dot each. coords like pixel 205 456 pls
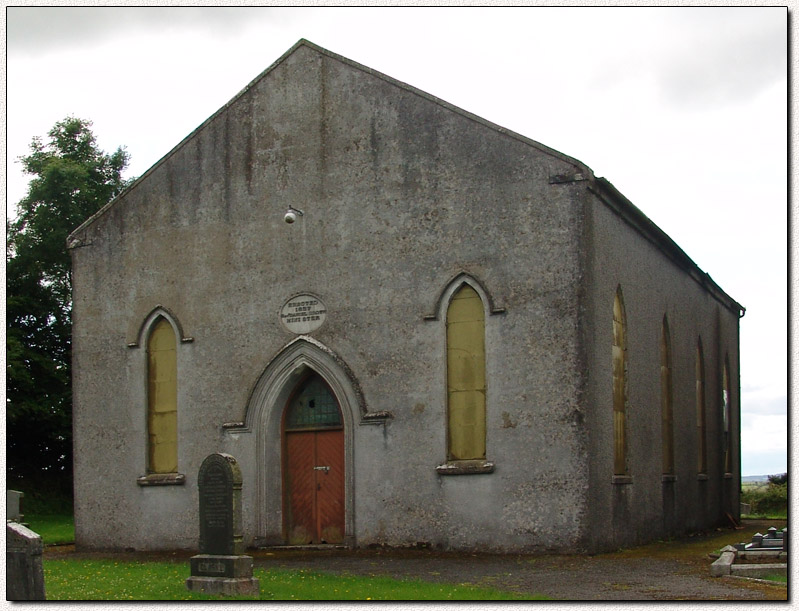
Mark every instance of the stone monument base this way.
pixel 227 586
pixel 226 575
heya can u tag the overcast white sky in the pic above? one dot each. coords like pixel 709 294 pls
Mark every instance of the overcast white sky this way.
pixel 684 110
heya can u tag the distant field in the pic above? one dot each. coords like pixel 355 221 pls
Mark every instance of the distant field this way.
pixel 753 485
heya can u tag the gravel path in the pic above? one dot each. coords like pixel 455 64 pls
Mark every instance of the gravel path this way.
pixel 678 570
pixel 603 577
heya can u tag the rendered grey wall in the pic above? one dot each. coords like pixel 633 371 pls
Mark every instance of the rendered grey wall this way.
pixel 400 194
pixel 652 285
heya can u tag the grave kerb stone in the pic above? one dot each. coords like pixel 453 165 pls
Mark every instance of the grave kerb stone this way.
pixel 24 569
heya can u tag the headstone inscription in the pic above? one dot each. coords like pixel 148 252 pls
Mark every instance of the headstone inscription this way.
pixel 220 567
pixel 219 482
pixel 24 570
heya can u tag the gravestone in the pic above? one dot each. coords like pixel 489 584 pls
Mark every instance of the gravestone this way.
pixel 24 571
pixel 221 567
pixel 219 482
pixel 14 505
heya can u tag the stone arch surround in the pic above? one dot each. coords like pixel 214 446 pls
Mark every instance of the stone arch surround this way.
pixel 264 417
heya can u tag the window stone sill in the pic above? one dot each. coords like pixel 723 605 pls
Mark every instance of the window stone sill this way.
pixel 161 479
pixel 668 478
pixel 702 477
pixel 465 467
pixel 622 479
pixel 728 476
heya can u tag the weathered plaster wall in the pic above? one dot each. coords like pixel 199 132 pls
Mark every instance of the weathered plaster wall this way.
pixel 652 285
pixel 400 195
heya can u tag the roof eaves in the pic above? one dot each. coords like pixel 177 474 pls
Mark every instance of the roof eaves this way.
pixel 633 216
pixel 451 107
pixel 73 240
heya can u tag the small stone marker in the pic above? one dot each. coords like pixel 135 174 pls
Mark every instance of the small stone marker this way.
pixel 220 567
pixel 13 505
pixel 24 571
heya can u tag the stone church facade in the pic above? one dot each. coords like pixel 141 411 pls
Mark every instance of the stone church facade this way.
pixel 408 325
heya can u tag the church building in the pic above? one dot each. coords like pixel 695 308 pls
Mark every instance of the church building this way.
pixel 410 326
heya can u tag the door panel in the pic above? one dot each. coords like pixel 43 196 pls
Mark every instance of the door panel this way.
pixel 313 498
pixel 330 486
pixel 315 507
pixel 300 480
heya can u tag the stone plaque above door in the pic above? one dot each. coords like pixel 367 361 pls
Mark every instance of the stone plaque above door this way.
pixel 303 314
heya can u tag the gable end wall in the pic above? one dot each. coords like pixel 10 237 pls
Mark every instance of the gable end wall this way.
pixel 400 194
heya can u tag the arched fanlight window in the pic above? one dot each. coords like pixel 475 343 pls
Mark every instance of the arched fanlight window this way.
pixel 701 418
pixel 466 377
pixel 619 385
pixel 162 399
pixel 666 406
pixel 313 406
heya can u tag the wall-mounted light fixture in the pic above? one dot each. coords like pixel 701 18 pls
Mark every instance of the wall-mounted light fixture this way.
pixel 291 215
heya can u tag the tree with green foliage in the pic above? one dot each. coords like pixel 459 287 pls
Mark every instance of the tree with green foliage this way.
pixel 777 480
pixel 769 501
pixel 71 179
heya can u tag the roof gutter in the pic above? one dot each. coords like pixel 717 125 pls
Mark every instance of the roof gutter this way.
pixel 636 219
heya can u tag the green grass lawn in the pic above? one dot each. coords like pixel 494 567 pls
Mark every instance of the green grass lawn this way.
pixel 769 515
pixel 52 528
pixel 69 579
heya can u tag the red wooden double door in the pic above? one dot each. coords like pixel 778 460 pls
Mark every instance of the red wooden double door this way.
pixel 313 465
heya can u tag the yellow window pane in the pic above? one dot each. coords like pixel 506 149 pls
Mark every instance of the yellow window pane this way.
pixel 162 398
pixel 164 455
pixel 619 378
pixel 700 410
pixel 467 425
pixel 466 370
pixel 667 420
pixel 619 466
pixel 466 305
pixel 466 375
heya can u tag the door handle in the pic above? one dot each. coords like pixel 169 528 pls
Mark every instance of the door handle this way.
pixel 325 469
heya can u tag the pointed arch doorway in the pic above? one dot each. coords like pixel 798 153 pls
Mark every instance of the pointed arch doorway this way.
pixel 266 408
pixel 313 464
